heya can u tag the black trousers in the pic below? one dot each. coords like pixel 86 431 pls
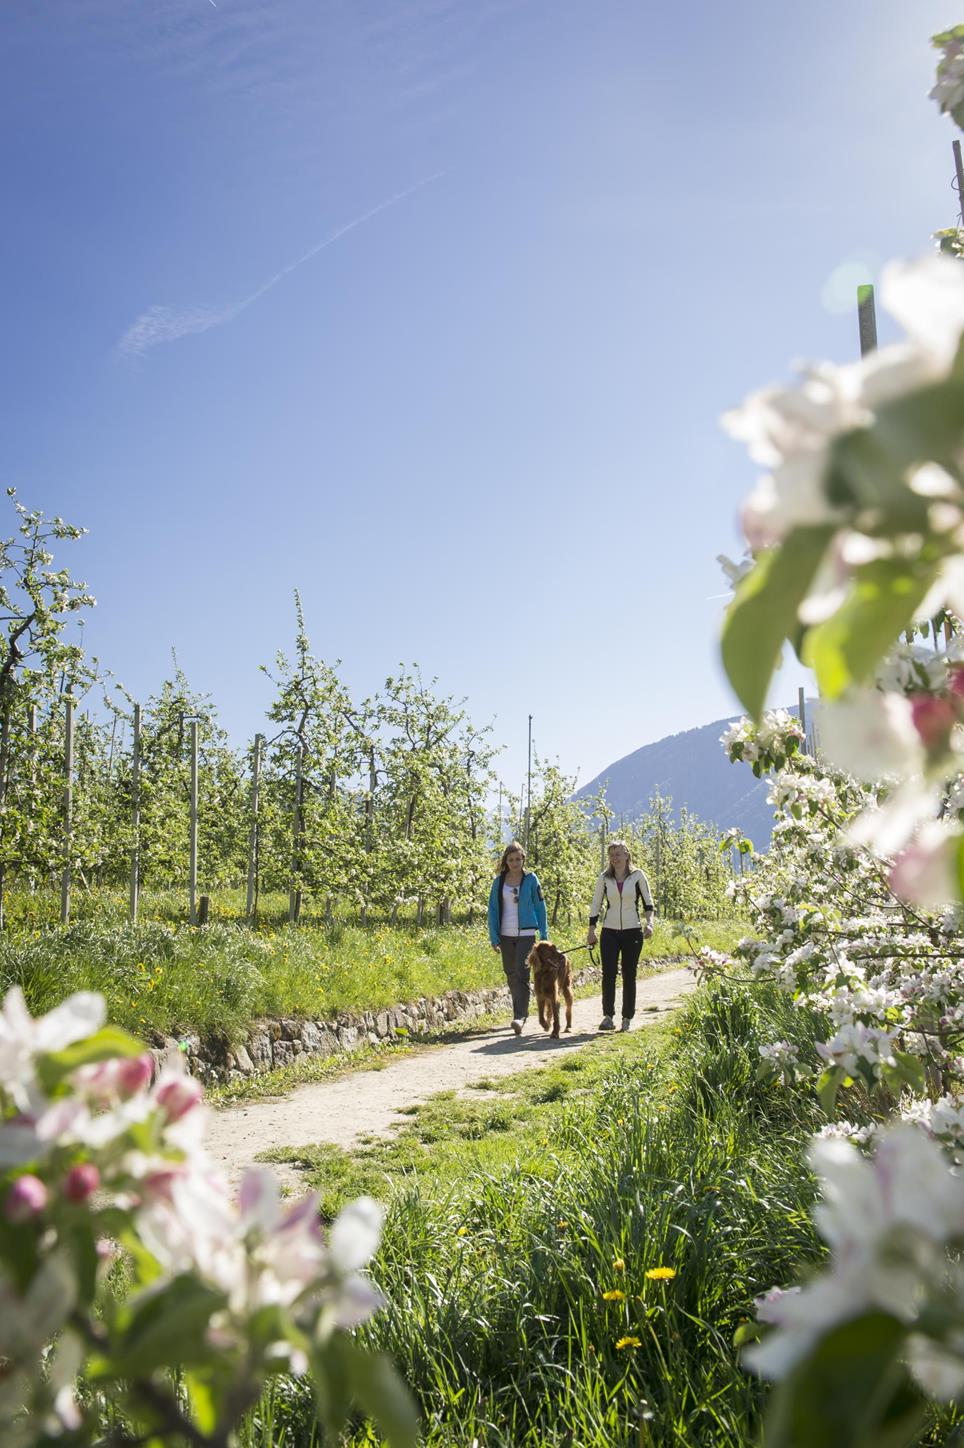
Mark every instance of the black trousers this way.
pixel 614 944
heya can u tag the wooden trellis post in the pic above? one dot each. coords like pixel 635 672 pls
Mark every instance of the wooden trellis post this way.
pixel 866 319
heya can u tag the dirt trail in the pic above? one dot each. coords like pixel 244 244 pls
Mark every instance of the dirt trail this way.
pixel 369 1102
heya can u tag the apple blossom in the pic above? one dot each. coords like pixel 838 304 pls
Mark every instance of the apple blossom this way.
pixel 81 1181
pixel 111 1153
pixel 26 1199
pixel 926 870
pixel 888 1222
pixel 176 1094
pixel 23 1039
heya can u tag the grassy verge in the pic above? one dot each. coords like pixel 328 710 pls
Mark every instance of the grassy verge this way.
pixel 218 978
pixel 568 1256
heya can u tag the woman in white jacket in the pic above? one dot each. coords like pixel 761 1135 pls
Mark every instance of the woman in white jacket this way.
pixel 623 897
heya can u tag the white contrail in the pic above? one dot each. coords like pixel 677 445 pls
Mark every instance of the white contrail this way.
pixel 167 324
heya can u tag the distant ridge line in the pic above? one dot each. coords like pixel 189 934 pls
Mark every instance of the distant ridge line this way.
pixel 691 770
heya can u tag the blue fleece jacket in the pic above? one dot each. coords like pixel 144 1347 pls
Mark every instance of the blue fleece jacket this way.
pixel 532 906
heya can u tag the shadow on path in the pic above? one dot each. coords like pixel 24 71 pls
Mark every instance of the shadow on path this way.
pixel 525 1045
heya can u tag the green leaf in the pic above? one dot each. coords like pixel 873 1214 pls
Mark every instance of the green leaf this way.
pixel 203 1400
pixel 828 1084
pixel 166 1330
pixel 104 1045
pixel 910 1069
pixel 848 646
pixel 852 1389
pixel 869 467
pixel 379 1392
pixel 746 1333
pixel 764 613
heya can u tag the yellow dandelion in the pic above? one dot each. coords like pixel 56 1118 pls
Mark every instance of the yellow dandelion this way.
pixel 562 1226
pixel 614 1295
pixel 462 1231
pixel 661 1274
pixel 628 1342
pixel 619 1264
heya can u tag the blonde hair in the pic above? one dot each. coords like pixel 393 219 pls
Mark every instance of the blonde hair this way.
pixel 510 849
pixel 609 872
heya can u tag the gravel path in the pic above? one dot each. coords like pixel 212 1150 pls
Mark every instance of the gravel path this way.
pixel 368 1102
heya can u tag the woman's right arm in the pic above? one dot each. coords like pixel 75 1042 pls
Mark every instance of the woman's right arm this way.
pixel 597 899
pixel 494 914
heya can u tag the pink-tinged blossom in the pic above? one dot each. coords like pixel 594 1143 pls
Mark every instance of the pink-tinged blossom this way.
pixel 934 717
pixel 81 1181
pixel 871 735
pixel 26 1199
pixel 924 873
pixel 176 1094
pixel 114 1080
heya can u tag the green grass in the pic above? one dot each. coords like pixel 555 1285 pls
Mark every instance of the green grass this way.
pixel 446 1137
pixel 508 1216
pixel 216 979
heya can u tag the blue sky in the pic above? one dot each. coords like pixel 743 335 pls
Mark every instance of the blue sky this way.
pixel 430 309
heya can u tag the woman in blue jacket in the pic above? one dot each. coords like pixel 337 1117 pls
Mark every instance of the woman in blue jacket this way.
pixel 517 910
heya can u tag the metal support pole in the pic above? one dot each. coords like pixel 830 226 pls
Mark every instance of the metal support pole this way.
pixel 192 881
pixel 866 319
pixel 802 708
pixel 959 176
pixel 294 893
pixel 135 817
pixel 528 812
pixel 68 810
pixel 253 837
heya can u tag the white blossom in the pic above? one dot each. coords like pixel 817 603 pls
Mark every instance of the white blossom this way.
pixel 22 1039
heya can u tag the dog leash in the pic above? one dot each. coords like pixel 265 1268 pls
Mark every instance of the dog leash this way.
pixel 571 950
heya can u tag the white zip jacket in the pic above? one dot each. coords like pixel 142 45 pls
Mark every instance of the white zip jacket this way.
pixel 626 910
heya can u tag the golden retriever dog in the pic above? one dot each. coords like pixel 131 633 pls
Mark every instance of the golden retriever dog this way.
pixel 551 976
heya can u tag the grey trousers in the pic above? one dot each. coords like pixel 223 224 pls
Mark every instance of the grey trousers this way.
pixel 514 949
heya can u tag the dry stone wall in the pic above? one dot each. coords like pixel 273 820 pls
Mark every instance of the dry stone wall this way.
pixel 273 1043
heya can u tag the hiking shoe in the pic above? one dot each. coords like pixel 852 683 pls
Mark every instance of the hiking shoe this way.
pixel 517 1027
pixel 627 1023
pixel 606 1024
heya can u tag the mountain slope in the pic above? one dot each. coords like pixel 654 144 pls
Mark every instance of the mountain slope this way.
pixel 691 769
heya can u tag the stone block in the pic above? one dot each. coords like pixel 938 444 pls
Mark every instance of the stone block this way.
pixel 243 1062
